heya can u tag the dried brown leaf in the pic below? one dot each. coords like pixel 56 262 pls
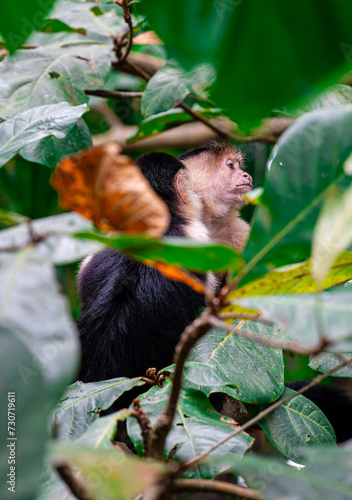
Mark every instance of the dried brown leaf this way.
pixel 109 189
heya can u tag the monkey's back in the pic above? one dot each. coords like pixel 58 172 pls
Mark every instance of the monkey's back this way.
pixel 132 316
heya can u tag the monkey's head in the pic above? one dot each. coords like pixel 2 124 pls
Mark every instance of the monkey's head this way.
pixel 170 180
pixel 215 170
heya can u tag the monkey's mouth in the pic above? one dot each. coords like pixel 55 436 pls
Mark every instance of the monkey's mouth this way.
pixel 245 186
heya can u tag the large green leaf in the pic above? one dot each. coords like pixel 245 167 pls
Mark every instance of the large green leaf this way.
pixel 259 68
pixel 98 436
pixel 53 73
pixel 190 254
pixel 327 475
pixel 29 412
pixel 30 300
pixel 58 244
pixel 307 159
pixel 50 150
pixel 332 233
pixel 38 356
pixel 191 29
pixel 31 126
pixel 252 372
pixel 171 85
pixel 273 71
pixel 325 362
pixel 309 318
pixel 295 425
pixel 81 404
pixel 196 427
pixel 103 20
pixel 19 19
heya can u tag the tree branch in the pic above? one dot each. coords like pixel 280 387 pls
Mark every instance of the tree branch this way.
pixel 218 486
pixel 78 489
pixel 315 381
pixel 112 93
pixel 189 337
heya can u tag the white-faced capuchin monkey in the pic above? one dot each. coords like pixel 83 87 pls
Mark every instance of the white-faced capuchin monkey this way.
pixel 132 315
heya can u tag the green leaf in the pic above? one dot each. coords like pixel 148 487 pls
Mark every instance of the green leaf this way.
pixel 171 85
pixel 284 222
pixel 49 151
pixel 38 356
pixel 103 20
pixel 295 425
pixel 229 34
pixel 308 318
pixel 30 299
pixel 98 436
pixel 332 233
pixel 196 427
pixel 109 473
pixel 102 431
pixel 189 254
pixel 155 124
pixel 325 362
pixel 16 28
pixel 295 279
pixel 81 402
pixel 33 397
pixel 53 73
pixel 58 245
pixel 191 29
pixel 33 125
pixel 289 74
pixel 251 372
pixel 327 475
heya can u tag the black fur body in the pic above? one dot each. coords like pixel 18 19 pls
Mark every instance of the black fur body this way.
pixel 132 316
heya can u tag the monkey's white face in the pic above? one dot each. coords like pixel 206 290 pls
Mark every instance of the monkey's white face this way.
pixel 219 181
pixel 227 184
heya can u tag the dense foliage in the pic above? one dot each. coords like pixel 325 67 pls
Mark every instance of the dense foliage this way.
pixel 274 78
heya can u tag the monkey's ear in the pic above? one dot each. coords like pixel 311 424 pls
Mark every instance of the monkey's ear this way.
pixel 182 183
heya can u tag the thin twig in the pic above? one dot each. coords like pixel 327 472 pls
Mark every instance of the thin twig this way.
pixel 128 19
pixel 112 93
pixel 78 489
pixel 218 486
pixel 189 337
pixel 144 423
pixel 315 381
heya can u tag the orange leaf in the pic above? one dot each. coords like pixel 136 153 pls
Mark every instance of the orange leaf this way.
pixel 177 274
pixel 109 189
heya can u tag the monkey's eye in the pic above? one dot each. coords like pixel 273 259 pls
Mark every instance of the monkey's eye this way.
pixel 230 165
